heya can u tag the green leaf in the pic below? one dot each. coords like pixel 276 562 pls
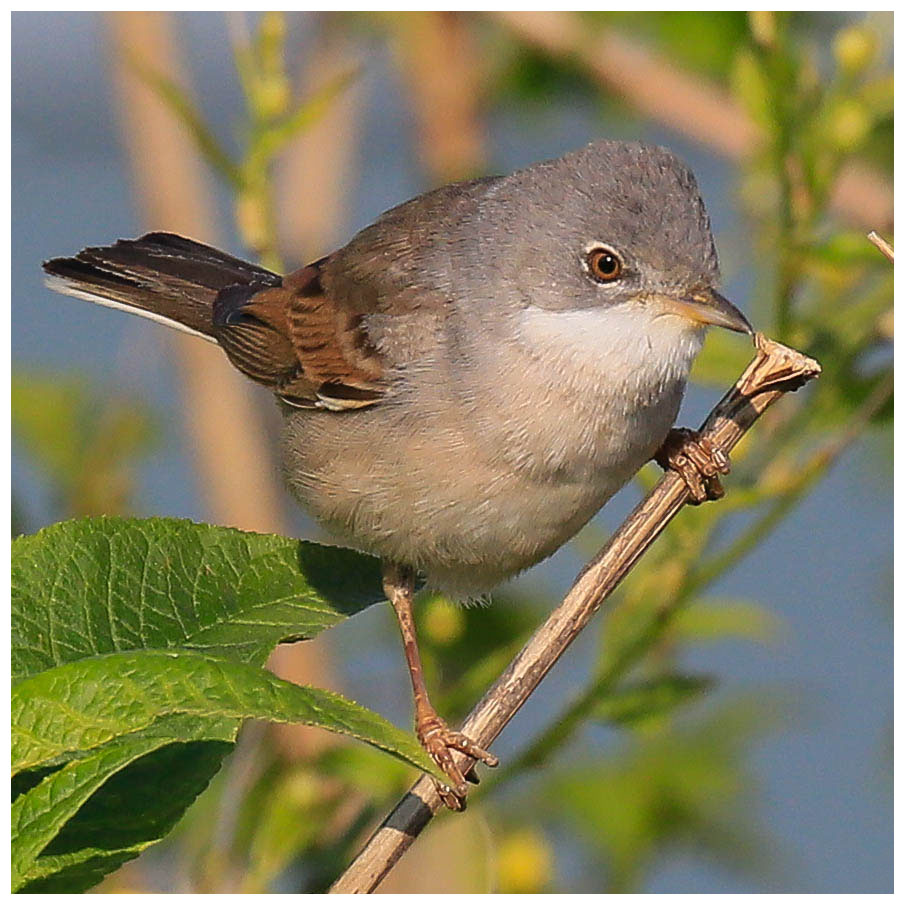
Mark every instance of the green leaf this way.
pixel 185 111
pixel 38 814
pixel 633 704
pixel 272 139
pixel 715 619
pixel 132 805
pixel 105 713
pixel 148 633
pixel 101 585
pixel 82 706
pixel 111 804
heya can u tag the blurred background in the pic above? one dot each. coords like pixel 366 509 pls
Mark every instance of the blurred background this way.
pixel 726 724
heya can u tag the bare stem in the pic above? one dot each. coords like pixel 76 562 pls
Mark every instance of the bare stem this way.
pixel 882 244
pixel 774 371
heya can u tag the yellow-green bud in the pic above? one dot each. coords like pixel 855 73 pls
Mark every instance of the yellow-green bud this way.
pixel 848 123
pixel 524 862
pixel 854 48
pixel 443 622
pixel 272 97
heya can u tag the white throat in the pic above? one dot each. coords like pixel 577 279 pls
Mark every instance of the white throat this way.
pixel 645 351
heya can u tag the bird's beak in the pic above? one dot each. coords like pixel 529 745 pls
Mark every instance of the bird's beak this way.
pixel 707 306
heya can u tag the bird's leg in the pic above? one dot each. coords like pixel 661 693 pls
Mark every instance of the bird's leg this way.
pixel 437 738
pixel 698 462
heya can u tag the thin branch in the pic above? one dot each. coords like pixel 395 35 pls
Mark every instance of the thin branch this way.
pixel 774 371
pixel 882 244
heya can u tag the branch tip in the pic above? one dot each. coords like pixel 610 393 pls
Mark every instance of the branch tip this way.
pixel 775 370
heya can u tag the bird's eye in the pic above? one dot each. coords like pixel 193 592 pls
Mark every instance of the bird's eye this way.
pixel 604 265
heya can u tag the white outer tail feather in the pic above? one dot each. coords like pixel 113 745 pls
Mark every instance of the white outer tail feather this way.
pixel 58 284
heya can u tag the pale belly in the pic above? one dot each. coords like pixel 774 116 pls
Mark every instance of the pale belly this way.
pixel 468 501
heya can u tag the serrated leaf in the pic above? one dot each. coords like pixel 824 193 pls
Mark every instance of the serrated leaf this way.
pixel 81 706
pixel 101 585
pixel 136 710
pixel 133 806
pixel 90 591
pixel 38 814
pixel 143 791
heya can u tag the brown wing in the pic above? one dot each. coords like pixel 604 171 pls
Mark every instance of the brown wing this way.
pixel 311 350
pixel 307 338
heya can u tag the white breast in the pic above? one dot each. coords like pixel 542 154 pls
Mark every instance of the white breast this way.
pixel 631 346
pixel 610 380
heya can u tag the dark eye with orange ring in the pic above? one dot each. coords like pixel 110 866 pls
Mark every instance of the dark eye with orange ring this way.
pixel 604 265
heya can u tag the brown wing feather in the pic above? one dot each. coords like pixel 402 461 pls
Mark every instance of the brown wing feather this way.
pixel 303 344
pixel 328 338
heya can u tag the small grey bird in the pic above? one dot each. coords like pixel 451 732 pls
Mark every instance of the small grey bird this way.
pixel 474 375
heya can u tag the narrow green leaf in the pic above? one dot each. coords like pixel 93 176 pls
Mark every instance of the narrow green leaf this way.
pixel 716 618
pixel 272 139
pixel 100 585
pixel 77 707
pixel 635 703
pixel 186 112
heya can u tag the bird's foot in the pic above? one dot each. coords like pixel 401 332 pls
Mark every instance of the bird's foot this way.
pixel 440 742
pixel 697 461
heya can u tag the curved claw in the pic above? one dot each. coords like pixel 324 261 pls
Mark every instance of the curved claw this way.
pixel 440 741
pixel 696 460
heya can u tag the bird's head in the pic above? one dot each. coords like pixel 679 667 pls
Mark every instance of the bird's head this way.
pixel 617 225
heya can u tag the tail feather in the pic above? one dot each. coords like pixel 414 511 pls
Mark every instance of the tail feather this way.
pixel 161 276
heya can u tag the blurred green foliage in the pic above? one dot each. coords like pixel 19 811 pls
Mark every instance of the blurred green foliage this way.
pixel 828 293
pixel 671 771
pixel 683 788
pixel 272 119
pixel 85 440
pixel 703 42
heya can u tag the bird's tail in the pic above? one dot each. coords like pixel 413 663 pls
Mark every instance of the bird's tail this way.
pixel 160 276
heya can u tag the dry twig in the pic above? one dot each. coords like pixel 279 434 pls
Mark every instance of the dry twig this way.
pixel 774 371
pixel 882 244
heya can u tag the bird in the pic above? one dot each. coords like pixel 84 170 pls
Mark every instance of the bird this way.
pixel 473 376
